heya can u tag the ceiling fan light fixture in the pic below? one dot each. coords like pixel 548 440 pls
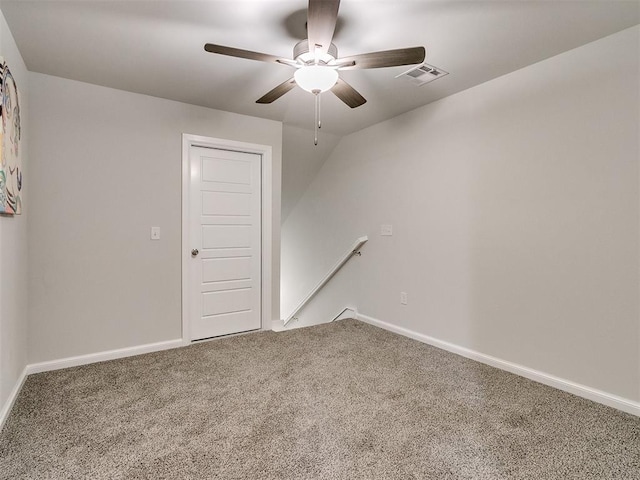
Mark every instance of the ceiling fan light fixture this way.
pixel 314 78
pixel 317 62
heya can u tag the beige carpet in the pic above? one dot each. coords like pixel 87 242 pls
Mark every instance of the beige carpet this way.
pixel 338 401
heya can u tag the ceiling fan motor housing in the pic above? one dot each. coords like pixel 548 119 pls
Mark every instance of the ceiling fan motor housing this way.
pixel 302 48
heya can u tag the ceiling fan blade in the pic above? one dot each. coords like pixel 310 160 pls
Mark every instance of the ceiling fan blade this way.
pixel 277 92
pixel 348 94
pixel 322 16
pixel 386 58
pixel 248 54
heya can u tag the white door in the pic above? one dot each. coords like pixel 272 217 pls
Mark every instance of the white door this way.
pixel 225 213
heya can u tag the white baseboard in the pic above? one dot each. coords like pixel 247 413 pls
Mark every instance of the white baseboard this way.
pixel 8 405
pixel 347 312
pixel 102 356
pixel 583 391
pixel 80 360
pixel 277 325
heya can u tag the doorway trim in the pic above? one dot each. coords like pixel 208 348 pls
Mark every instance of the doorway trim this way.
pixel 266 165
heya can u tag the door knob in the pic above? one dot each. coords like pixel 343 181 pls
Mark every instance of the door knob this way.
pixel 194 252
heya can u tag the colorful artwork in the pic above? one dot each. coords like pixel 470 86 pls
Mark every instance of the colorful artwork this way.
pixel 10 165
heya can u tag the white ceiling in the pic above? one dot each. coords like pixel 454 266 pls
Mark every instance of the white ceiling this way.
pixel 156 47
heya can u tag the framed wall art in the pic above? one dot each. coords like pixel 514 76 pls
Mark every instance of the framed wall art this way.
pixel 10 133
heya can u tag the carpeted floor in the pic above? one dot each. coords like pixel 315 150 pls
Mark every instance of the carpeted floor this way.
pixel 337 401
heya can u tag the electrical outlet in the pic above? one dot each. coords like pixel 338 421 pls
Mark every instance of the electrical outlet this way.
pixel 403 298
pixel 155 233
pixel 386 230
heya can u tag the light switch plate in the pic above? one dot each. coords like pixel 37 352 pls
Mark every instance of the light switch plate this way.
pixel 386 230
pixel 155 233
pixel 403 298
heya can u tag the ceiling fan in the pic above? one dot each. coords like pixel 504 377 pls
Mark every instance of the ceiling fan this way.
pixel 317 63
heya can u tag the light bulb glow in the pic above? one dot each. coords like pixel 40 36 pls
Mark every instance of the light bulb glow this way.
pixel 310 57
pixel 316 78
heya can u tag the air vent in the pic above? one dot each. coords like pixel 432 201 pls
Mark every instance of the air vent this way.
pixel 423 74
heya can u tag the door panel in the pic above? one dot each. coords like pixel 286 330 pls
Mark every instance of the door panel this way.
pixel 227 236
pixel 221 269
pixel 226 301
pixel 225 215
pixel 231 323
pixel 226 171
pixel 226 203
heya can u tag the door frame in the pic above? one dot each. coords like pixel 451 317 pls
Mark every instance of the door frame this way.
pixel 266 175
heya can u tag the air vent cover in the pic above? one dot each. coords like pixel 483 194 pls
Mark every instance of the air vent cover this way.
pixel 423 74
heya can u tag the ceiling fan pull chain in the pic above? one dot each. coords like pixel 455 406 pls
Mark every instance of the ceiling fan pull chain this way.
pixel 319 113
pixel 316 94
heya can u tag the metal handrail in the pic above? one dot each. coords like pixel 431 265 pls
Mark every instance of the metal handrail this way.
pixel 354 250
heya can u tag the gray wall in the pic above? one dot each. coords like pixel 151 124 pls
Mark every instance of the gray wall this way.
pixel 13 245
pixel 301 160
pixel 515 210
pixel 106 166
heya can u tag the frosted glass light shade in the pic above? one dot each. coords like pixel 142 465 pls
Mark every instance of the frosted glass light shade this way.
pixel 315 77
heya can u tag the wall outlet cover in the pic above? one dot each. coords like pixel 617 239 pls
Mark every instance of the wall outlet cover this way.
pixel 386 230
pixel 155 233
